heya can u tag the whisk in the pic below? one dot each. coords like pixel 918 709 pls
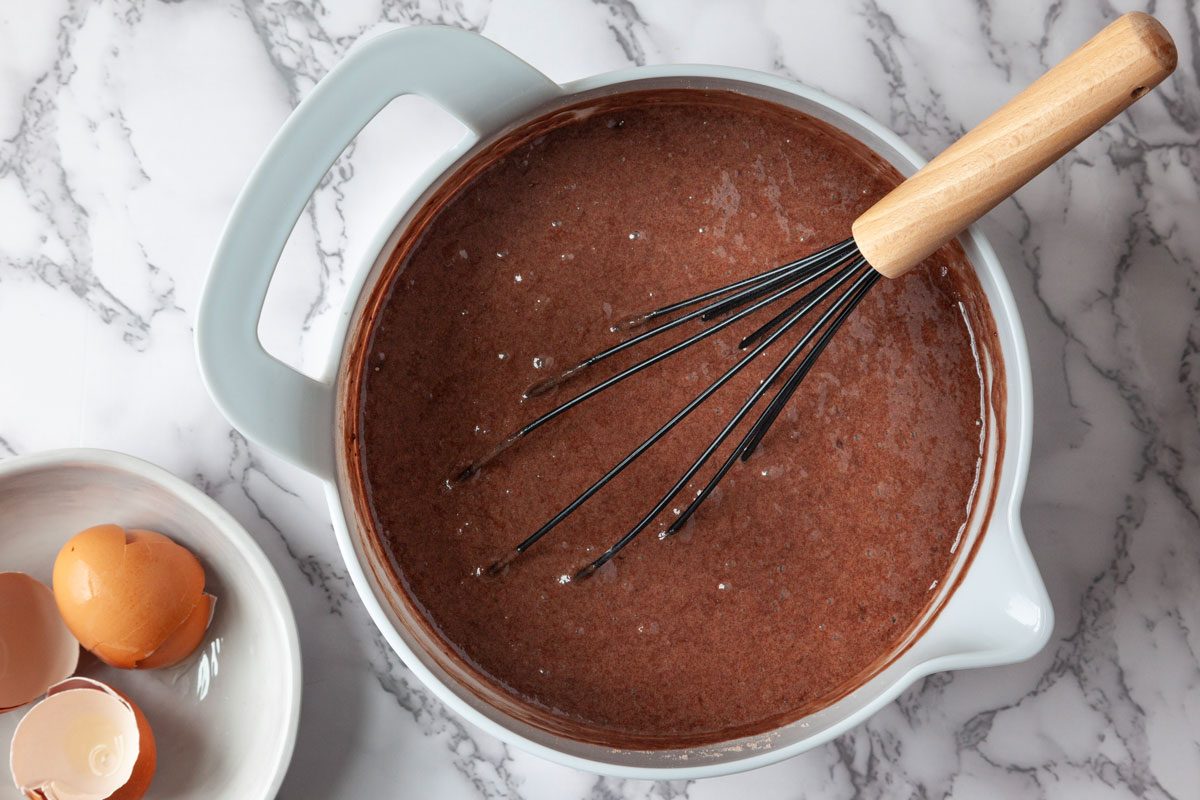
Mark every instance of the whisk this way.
pixel 1070 102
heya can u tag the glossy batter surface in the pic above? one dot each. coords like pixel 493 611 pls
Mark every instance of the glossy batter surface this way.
pixel 810 562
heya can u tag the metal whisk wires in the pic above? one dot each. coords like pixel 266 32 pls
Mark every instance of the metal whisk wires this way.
pixel 842 277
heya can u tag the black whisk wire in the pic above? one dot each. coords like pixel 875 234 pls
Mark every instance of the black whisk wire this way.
pixel 794 275
pixel 836 254
pixel 774 321
pixel 842 248
pixel 737 418
pixel 666 428
pixel 858 292
pixel 750 441
pixel 812 272
pixel 836 267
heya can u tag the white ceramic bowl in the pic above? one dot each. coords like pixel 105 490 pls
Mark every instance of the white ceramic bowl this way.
pixel 992 610
pixel 225 719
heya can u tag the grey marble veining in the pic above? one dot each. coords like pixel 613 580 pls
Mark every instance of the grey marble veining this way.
pixel 127 128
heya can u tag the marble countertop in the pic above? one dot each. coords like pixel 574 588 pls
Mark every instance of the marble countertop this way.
pixel 127 128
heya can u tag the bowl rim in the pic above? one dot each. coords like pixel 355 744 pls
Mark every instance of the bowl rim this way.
pixel 272 591
pixel 1004 521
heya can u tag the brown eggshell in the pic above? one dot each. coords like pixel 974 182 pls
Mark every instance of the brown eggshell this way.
pixel 147 760
pixel 36 648
pixel 124 593
pixel 186 638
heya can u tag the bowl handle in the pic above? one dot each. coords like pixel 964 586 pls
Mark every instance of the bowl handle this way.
pixel 477 81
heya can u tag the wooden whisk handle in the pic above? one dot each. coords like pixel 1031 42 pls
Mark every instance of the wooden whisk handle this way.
pixel 1030 132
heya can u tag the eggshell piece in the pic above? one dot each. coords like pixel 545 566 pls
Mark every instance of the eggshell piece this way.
pixel 186 638
pixel 147 761
pixel 36 649
pixel 85 741
pixel 124 593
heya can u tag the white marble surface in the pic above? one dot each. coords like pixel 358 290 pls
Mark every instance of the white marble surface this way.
pixel 127 127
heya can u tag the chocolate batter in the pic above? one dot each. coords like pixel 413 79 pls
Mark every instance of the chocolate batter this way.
pixel 806 569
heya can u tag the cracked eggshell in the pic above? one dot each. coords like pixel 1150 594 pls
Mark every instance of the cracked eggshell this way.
pixel 85 741
pixel 132 597
pixel 36 649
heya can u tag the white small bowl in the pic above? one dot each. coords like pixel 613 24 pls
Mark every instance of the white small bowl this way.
pixel 225 719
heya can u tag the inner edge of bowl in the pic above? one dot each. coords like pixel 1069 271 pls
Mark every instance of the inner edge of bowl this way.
pixel 418 649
